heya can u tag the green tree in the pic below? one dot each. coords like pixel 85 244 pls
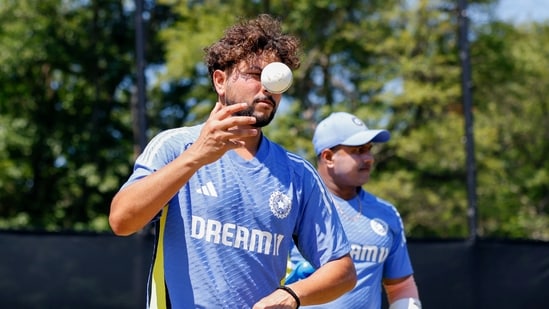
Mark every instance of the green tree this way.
pixel 511 87
pixel 64 75
pixel 67 81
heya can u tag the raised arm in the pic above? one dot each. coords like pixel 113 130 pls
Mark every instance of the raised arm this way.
pixel 135 205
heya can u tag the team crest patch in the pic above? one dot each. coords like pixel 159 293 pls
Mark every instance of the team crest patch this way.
pixel 379 226
pixel 280 204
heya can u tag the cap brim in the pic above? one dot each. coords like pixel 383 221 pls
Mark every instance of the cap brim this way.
pixel 365 137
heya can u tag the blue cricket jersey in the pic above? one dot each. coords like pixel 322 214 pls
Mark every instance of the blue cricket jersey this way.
pixel 223 240
pixel 378 249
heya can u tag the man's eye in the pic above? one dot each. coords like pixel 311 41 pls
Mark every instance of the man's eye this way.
pixel 364 149
pixel 254 75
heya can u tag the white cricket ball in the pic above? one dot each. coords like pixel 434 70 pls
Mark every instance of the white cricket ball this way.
pixel 276 77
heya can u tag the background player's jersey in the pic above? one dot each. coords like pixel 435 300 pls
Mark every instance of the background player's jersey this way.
pixel 224 239
pixel 378 249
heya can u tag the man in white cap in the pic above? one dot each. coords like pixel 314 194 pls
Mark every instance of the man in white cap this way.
pixel 343 145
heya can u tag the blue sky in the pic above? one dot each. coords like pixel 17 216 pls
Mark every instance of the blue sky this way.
pixel 523 10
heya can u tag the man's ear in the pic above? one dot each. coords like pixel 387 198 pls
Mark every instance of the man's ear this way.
pixel 219 77
pixel 326 156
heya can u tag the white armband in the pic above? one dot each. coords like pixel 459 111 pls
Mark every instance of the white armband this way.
pixel 406 303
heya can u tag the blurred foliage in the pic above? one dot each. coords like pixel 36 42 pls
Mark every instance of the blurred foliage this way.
pixel 68 76
pixel 63 111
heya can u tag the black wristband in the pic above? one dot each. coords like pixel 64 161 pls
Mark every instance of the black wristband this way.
pixel 291 292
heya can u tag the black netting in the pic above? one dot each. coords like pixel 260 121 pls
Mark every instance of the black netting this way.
pixel 73 271
pixel 105 271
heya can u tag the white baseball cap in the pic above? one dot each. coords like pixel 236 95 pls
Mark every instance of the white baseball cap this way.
pixel 345 129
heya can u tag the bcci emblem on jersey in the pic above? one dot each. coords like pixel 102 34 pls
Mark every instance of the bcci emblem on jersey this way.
pixel 280 204
pixel 379 226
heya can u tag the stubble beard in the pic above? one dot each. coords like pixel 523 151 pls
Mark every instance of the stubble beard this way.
pixel 260 121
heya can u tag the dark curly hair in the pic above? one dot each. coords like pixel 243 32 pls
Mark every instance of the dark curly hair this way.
pixel 249 39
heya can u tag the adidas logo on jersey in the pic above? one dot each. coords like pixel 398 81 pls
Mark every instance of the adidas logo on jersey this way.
pixel 208 189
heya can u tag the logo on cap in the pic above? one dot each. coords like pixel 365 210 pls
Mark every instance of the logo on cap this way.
pixel 358 122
